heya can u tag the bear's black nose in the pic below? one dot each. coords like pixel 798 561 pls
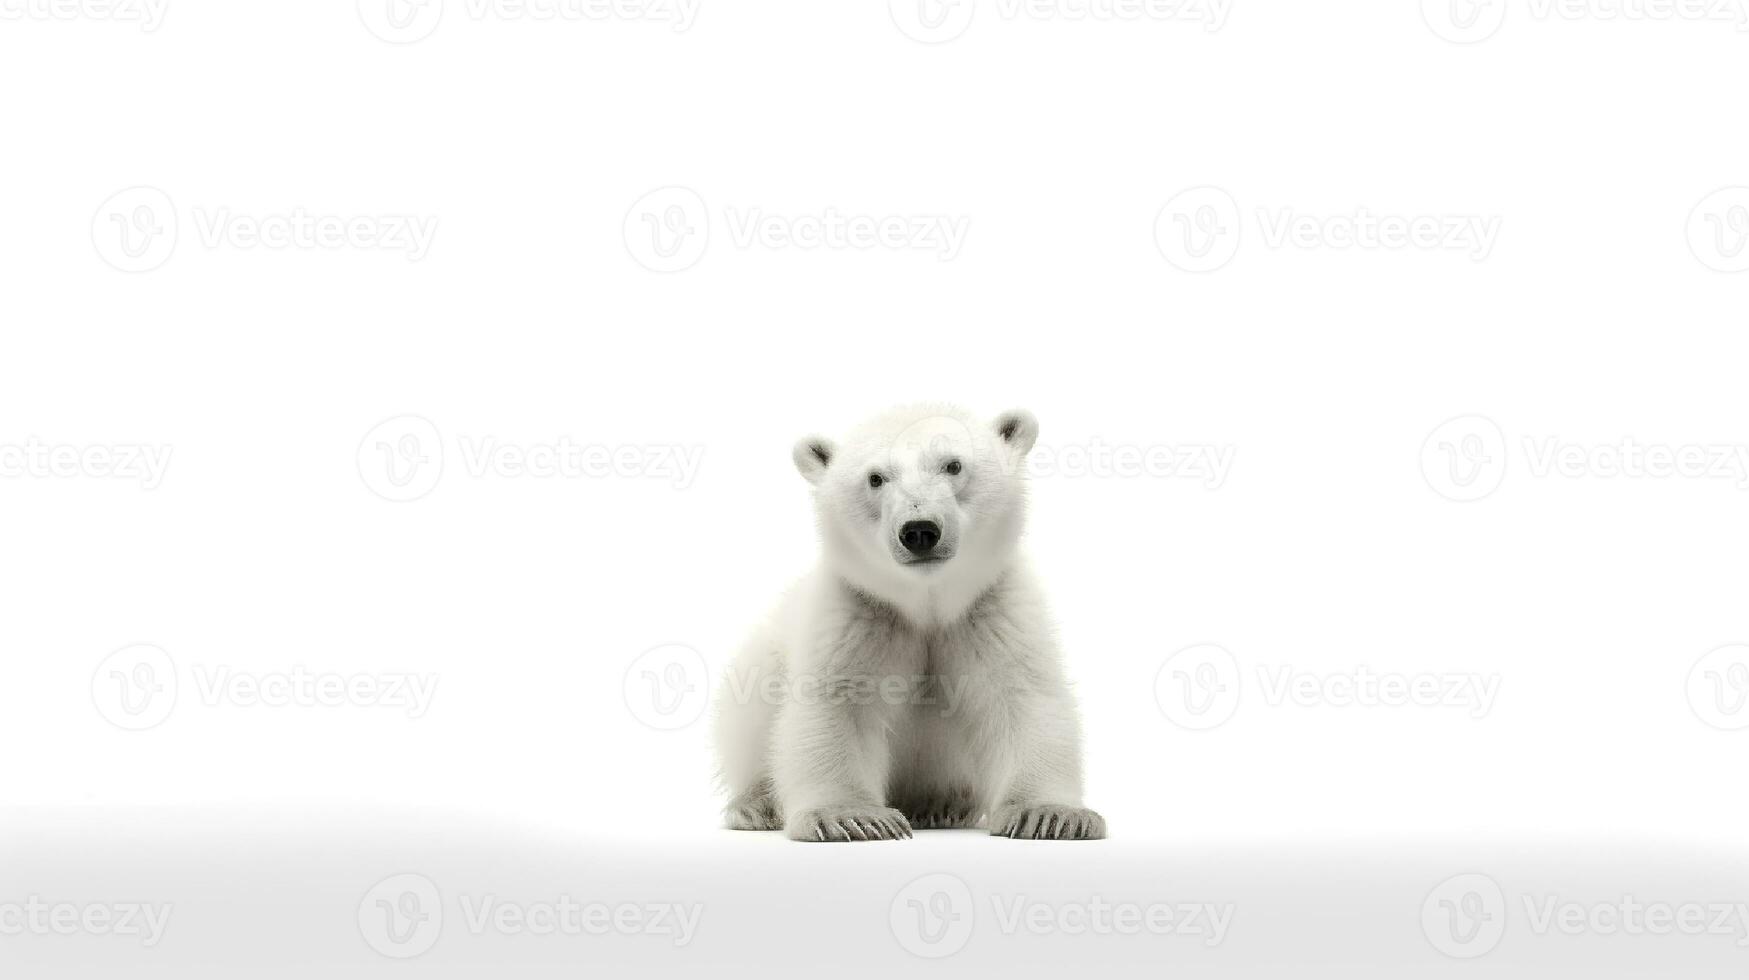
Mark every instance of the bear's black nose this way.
pixel 920 537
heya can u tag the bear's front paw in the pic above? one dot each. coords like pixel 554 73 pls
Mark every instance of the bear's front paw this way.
pixel 1048 822
pixel 751 815
pixel 847 823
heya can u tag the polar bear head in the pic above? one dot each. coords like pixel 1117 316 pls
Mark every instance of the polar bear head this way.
pixel 923 496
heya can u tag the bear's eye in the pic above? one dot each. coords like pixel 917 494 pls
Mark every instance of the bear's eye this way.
pixel 953 467
pixel 875 480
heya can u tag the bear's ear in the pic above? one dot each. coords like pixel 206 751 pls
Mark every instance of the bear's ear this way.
pixel 812 455
pixel 1019 429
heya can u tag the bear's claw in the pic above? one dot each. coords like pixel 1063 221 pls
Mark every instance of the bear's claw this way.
pixel 1048 822
pixel 944 810
pixel 753 809
pixel 849 823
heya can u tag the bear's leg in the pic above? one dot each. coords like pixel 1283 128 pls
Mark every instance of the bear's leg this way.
pixel 1036 762
pixel 1042 799
pixel 746 710
pixel 831 769
pixel 935 777
pixel 754 808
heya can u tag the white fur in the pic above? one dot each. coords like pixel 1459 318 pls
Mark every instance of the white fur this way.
pixel 886 693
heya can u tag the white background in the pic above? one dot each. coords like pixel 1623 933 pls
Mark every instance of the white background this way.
pixel 1604 310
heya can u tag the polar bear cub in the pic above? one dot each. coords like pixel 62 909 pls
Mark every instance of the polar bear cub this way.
pixel 912 678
